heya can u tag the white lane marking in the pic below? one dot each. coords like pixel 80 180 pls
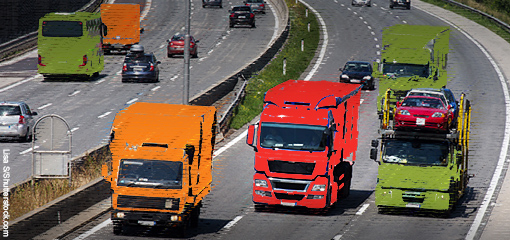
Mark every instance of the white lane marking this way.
pixel 376 39
pixel 373 33
pixel 94 229
pixel 230 144
pixel 74 129
pixel 132 101
pixel 276 24
pixel 378 52
pixel 404 21
pixel 162 46
pixel 377 46
pixel 362 209
pixel 365 22
pixel 119 72
pixel 361 101
pixel 324 41
pixel 369 27
pixel 100 81
pixel 45 106
pixel 232 223
pixel 19 83
pixel 210 51
pixel 174 77
pixel 360 17
pixel 104 115
pixel 74 93
pixel 148 4
pixel 355 13
pixel 347 8
pixel 337 237
pixel 29 150
pixel 506 140
pixel 156 88
pixel 341 4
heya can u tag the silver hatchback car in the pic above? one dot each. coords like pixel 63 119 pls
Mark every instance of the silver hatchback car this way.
pixel 16 120
pixel 257 6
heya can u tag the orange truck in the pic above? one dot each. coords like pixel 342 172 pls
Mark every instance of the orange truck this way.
pixel 161 166
pixel 123 22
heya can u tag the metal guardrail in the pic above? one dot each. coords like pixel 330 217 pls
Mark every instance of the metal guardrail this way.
pixel 497 21
pixel 28 42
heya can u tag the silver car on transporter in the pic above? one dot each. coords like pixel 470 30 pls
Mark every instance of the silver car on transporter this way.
pixel 16 120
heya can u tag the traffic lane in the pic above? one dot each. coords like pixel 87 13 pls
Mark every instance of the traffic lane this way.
pixel 464 77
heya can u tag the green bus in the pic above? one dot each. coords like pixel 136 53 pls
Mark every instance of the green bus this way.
pixel 70 44
pixel 413 56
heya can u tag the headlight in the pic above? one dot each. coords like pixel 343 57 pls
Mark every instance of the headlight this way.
pixel 404 112
pixel 320 188
pixel 344 76
pixel 120 215
pixel 437 114
pixel 175 218
pixel 367 77
pixel 260 183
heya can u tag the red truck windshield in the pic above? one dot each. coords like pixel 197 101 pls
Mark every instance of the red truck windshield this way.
pixel 293 136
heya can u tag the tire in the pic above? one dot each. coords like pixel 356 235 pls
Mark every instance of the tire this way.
pixel 117 228
pixel 259 207
pixel 195 55
pixel 195 216
pixel 253 25
pixel 408 7
pixel 169 55
pixel 346 169
pixel 25 138
pixel 391 6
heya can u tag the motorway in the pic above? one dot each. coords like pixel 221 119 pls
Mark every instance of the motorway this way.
pixel 353 33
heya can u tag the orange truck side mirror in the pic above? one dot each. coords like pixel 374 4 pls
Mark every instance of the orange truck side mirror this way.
pixel 104 172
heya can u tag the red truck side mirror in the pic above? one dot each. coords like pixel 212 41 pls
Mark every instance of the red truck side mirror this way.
pixel 250 138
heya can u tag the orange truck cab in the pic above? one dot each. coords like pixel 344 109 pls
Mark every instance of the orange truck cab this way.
pixel 123 22
pixel 161 166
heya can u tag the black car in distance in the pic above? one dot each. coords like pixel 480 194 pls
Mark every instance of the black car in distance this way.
pixel 358 72
pixel 242 15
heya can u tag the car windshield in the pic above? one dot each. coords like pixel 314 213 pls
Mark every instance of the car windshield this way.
pixel 413 152
pixel 131 58
pixel 428 94
pixel 357 67
pixel 9 110
pixel 254 1
pixel 293 136
pixel 423 102
pixel 405 70
pixel 150 173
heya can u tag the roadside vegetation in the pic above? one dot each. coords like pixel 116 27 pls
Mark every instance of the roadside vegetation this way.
pixel 497 8
pixel 27 197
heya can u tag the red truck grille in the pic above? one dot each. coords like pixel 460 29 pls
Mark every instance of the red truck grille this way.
pixel 148 202
pixel 289 186
pixel 304 168
pixel 285 196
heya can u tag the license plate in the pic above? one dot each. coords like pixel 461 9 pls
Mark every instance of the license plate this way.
pixel 355 81
pixel 288 204
pixel 147 223
pixel 413 205
pixel 138 69
pixel 242 17
pixel 420 121
pixel 5 127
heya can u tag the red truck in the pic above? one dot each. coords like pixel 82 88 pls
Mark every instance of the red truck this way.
pixel 305 144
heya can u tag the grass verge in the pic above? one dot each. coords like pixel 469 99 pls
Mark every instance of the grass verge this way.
pixel 28 197
pixel 296 63
pixel 489 24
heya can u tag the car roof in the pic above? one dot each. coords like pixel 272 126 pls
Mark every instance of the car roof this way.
pixel 11 103
pixel 241 6
pixel 358 62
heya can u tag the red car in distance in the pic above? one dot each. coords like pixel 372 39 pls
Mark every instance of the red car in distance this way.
pixel 422 112
pixel 176 46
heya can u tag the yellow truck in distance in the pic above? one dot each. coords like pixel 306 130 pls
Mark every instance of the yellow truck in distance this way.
pixel 161 166
pixel 123 22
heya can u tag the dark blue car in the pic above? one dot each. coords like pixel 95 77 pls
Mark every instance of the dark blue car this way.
pixel 358 72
